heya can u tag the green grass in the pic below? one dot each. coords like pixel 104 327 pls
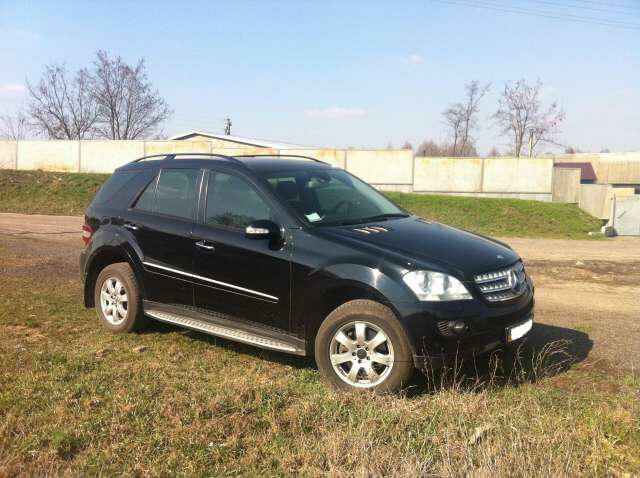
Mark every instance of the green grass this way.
pixel 77 400
pixel 37 192
pixel 502 217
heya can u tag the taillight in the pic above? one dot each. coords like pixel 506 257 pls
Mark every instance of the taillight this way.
pixel 87 232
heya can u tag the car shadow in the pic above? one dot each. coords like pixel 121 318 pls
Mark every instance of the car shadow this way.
pixel 547 351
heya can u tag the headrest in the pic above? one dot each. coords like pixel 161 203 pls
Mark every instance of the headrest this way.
pixel 288 190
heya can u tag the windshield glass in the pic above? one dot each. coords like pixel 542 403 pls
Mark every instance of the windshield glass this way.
pixel 332 197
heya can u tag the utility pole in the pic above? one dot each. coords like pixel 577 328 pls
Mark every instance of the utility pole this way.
pixel 227 126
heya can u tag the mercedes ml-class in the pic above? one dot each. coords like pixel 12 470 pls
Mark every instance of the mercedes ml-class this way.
pixel 294 255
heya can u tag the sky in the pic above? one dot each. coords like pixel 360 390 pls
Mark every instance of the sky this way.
pixel 347 73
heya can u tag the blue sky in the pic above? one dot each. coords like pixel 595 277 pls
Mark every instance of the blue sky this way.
pixel 344 73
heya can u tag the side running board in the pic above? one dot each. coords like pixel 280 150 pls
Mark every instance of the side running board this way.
pixel 226 327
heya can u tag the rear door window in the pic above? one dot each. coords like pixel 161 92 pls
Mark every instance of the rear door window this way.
pixel 174 194
pixel 177 192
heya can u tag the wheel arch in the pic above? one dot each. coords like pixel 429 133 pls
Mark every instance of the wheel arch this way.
pixel 100 259
pixel 340 293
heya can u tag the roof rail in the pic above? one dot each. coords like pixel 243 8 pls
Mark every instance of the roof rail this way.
pixel 280 156
pixel 169 156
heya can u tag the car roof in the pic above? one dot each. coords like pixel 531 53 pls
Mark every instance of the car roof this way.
pixel 256 163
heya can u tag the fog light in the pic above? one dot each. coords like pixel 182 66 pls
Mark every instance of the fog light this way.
pixel 459 327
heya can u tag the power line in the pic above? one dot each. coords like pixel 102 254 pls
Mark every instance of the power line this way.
pixel 594 9
pixel 543 14
pixel 609 4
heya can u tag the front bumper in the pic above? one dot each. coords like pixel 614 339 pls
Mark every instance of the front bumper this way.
pixel 487 324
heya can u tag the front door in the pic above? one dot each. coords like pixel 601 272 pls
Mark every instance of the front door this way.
pixel 162 222
pixel 238 276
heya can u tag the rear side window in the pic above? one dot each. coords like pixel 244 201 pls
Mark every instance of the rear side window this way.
pixel 118 182
pixel 175 194
pixel 232 202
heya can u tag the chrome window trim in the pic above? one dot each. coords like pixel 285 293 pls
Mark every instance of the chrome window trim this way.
pixel 212 281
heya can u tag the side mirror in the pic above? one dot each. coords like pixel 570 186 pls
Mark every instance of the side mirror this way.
pixel 263 230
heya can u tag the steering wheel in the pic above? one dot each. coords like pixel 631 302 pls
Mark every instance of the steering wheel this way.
pixel 343 203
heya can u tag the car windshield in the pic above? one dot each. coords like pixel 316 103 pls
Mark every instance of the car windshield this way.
pixel 332 197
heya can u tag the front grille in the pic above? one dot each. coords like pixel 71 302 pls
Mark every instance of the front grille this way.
pixel 504 284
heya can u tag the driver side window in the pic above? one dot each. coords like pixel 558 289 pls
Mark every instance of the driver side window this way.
pixel 233 203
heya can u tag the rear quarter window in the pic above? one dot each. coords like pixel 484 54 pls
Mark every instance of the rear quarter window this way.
pixel 117 183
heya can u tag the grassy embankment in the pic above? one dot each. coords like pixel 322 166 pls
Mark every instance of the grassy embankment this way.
pixel 37 192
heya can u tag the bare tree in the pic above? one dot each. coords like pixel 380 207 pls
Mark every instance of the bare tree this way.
pixel 407 145
pixel 430 148
pixel 494 153
pixel 461 118
pixel 519 115
pixel 545 127
pixel 62 108
pixel 15 127
pixel 128 105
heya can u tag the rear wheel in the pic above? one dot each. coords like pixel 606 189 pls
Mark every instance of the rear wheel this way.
pixel 117 298
pixel 361 345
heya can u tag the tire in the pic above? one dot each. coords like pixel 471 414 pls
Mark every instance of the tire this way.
pixel 380 366
pixel 119 316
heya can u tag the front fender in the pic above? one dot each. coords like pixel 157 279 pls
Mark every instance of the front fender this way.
pixel 385 283
pixel 321 290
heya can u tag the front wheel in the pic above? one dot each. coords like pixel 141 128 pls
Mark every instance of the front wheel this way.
pixel 361 345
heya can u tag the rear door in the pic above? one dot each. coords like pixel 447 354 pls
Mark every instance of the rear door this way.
pixel 162 222
pixel 238 276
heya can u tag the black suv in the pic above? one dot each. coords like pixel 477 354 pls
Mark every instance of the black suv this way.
pixel 291 254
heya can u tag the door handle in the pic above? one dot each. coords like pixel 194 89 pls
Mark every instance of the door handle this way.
pixel 131 227
pixel 204 245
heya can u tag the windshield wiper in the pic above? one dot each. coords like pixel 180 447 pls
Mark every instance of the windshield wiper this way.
pixel 383 217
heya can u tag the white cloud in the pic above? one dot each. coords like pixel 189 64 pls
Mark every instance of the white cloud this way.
pixel 13 88
pixel 335 112
pixel 626 92
pixel 415 59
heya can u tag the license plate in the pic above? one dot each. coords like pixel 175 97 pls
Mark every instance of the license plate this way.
pixel 520 330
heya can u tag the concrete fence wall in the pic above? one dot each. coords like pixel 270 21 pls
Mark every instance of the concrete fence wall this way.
pixel 610 168
pixel 527 178
pixel 566 185
pixel 399 170
pixel 524 178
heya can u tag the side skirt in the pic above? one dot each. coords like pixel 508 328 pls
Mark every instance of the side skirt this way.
pixel 226 326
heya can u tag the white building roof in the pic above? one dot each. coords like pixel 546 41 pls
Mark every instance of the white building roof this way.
pixel 260 143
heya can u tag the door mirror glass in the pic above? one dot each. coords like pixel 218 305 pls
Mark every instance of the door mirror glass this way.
pixel 262 230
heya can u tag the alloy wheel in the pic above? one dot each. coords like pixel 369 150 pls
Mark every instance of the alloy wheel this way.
pixel 361 354
pixel 114 301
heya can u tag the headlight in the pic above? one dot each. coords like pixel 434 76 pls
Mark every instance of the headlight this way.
pixel 436 286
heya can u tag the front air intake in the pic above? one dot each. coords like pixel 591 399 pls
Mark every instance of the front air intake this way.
pixel 371 229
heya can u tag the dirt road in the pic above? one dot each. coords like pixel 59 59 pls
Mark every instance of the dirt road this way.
pixel 588 292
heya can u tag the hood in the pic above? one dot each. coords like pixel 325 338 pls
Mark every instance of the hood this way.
pixel 425 243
